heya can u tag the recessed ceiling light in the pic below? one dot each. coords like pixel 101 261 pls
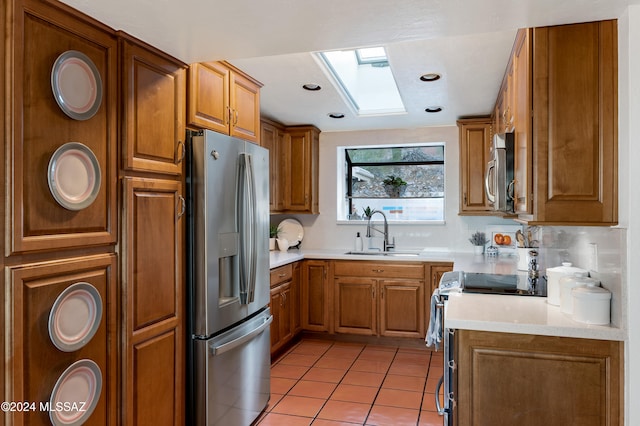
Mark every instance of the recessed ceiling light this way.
pixel 311 87
pixel 336 115
pixel 433 109
pixel 432 76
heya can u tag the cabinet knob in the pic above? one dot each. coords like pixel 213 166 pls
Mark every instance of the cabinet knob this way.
pixel 377 270
pixel 282 275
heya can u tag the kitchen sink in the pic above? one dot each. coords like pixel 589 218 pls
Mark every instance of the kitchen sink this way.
pixel 385 253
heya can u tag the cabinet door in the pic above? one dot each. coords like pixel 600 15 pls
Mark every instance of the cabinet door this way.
pixel 556 381
pixel 244 98
pixel 153 298
pixel 275 305
pixel 356 306
pixel 209 96
pixel 36 126
pixel 154 92
pixel 435 271
pixel 315 296
pixel 36 363
pixel 402 308
pixel 300 170
pixel 475 146
pixel 523 158
pixel 296 324
pixel 272 138
pixel 575 123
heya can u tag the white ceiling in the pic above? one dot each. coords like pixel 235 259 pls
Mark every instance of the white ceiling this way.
pixel 467 41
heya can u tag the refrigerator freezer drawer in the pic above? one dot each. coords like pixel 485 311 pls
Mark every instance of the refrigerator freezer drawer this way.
pixel 234 386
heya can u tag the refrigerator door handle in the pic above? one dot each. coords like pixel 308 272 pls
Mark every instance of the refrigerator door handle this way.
pixel 248 229
pixel 228 346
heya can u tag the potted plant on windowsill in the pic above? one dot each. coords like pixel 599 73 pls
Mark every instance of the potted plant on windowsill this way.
pixel 394 186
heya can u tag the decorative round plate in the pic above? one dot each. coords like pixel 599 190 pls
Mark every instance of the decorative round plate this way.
pixel 75 394
pixel 74 176
pixel 75 316
pixel 292 231
pixel 76 85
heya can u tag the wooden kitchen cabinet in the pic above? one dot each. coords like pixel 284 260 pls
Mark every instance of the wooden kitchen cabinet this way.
pixel 153 108
pixel 285 305
pixel 315 296
pixel 434 273
pixel 379 298
pixel 272 138
pixel 152 292
pixel 475 151
pixel 299 173
pixel 36 35
pixel 574 130
pixel 564 101
pixel 224 99
pixel 553 380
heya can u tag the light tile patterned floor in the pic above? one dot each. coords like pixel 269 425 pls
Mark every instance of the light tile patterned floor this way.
pixel 325 383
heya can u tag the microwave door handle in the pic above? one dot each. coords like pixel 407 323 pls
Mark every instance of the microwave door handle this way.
pixel 487 185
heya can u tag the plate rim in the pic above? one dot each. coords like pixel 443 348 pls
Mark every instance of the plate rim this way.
pixel 51 176
pixel 297 224
pixel 70 347
pixel 95 368
pixel 59 96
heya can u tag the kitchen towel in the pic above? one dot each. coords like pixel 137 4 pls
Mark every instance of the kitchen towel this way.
pixel 434 332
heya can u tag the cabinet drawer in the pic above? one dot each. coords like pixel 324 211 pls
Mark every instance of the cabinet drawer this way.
pixel 379 269
pixel 281 274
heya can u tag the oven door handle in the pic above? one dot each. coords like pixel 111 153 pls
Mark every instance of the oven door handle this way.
pixel 440 409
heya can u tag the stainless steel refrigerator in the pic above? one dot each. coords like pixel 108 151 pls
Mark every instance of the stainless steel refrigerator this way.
pixel 228 372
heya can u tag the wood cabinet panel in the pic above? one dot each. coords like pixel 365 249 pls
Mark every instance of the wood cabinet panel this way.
pixel 299 171
pixel 224 99
pixel 154 97
pixel 152 290
pixel 39 34
pixel 154 398
pixel 356 305
pixel 36 364
pixel 153 261
pixel 475 152
pixel 575 123
pixel 281 309
pixel 402 308
pixel 316 296
pixel 272 138
pixel 359 268
pixel 209 96
pixel 434 273
pixel 565 381
pixel 281 274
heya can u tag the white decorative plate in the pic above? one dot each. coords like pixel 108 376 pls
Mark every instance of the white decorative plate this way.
pixel 75 394
pixel 292 231
pixel 76 85
pixel 74 176
pixel 75 316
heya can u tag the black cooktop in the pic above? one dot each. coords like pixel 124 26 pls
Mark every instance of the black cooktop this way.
pixel 518 285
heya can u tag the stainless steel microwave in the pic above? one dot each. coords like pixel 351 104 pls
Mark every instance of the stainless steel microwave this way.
pixel 498 181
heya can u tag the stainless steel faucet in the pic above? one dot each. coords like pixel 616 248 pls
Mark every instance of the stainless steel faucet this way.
pixel 385 245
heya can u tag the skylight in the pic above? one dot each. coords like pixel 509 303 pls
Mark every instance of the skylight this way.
pixel 366 80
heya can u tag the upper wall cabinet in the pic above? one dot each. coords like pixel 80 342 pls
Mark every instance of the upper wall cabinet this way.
pixel 574 129
pixel 299 169
pixel 61 172
pixel 475 147
pixel 153 112
pixel 224 99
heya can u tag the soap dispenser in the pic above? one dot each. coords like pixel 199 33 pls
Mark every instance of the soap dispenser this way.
pixel 358 245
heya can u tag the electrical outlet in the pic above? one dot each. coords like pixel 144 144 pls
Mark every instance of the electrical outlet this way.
pixel 593 257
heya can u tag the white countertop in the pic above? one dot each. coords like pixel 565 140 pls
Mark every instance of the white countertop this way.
pixel 519 314
pixel 483 312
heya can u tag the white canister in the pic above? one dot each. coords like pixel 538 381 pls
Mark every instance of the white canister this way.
pixel 568 283
pixel 591 305
pixel 553 280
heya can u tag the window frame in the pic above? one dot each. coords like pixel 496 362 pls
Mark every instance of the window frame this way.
pixel 345 180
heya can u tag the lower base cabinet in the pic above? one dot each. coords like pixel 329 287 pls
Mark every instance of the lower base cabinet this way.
pixel 315 296
pixel 285 305
pixel 509 379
